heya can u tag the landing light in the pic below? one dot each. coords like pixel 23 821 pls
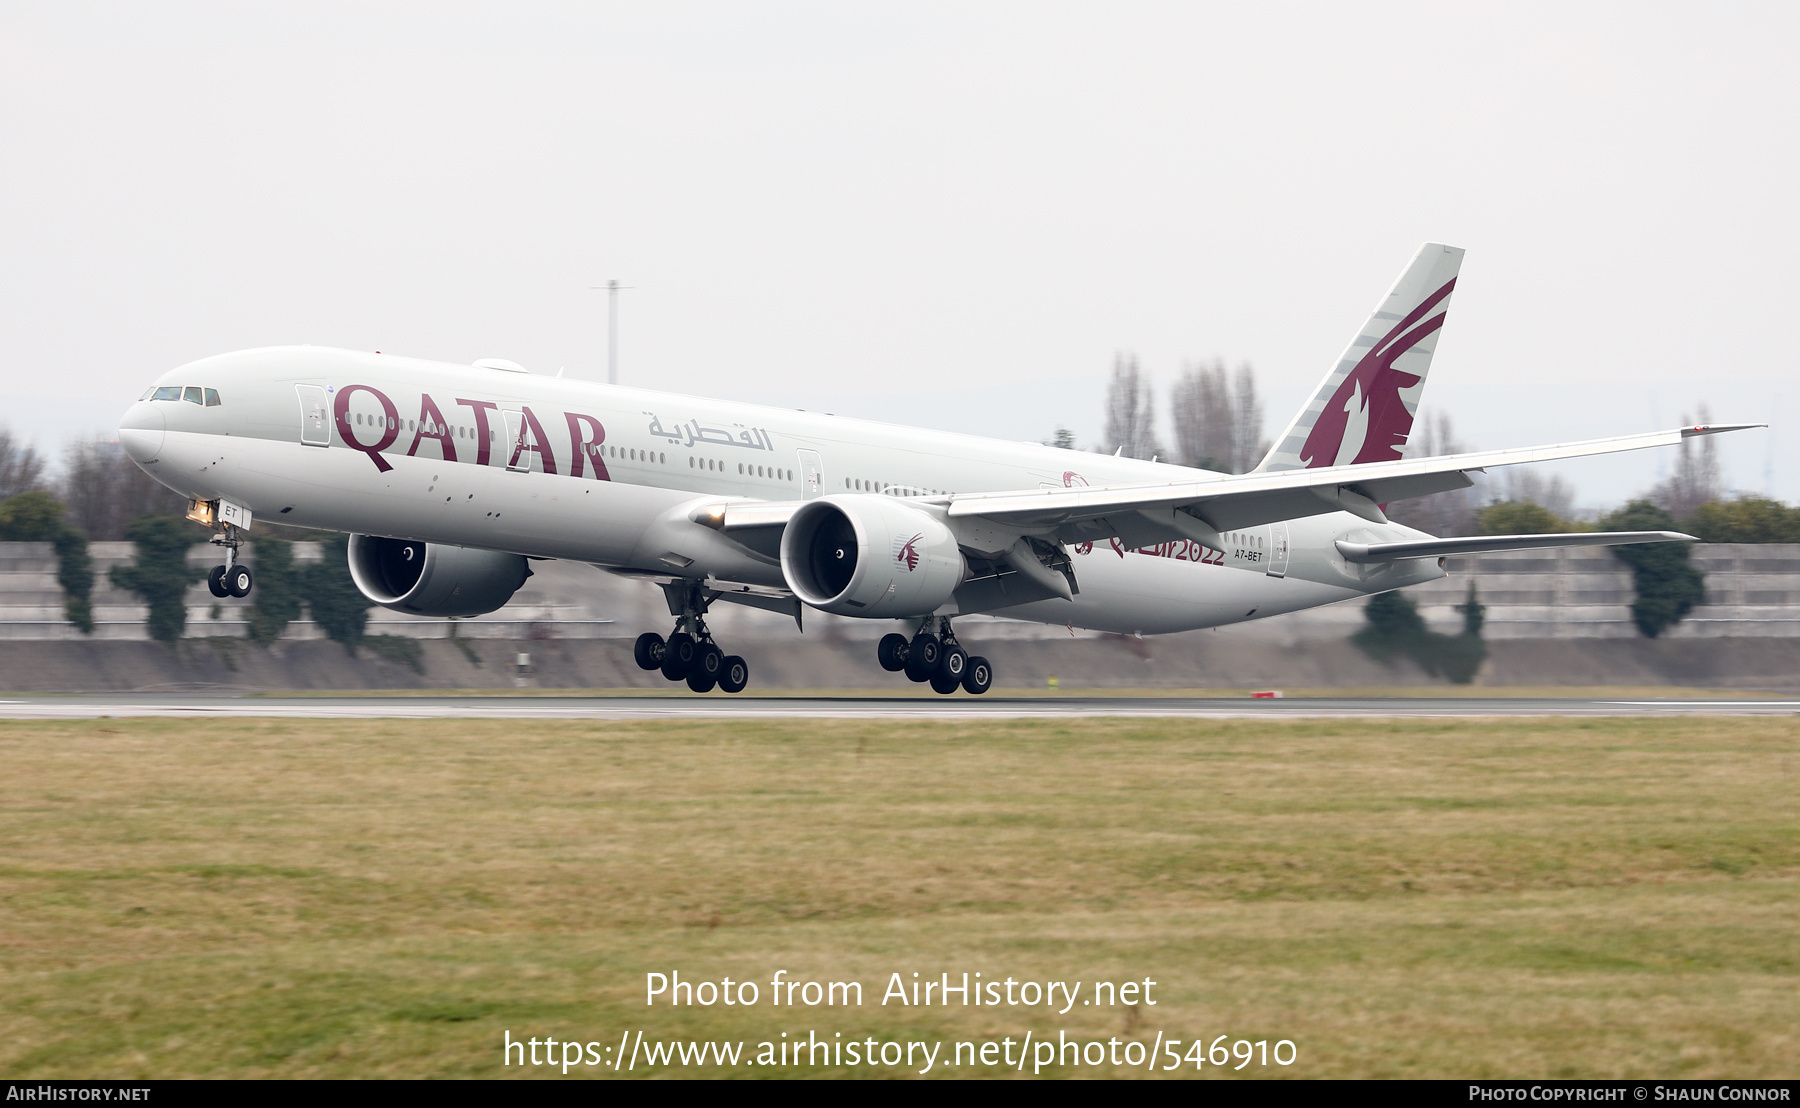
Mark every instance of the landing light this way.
pixel 711 515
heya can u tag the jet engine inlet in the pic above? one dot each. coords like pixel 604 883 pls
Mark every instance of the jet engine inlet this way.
pixel 430 579
pixel 870 556
pixel 832 554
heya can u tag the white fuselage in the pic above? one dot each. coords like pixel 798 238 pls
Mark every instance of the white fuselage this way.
pixel 552 468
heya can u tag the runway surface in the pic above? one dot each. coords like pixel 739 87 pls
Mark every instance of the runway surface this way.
pixel 814 707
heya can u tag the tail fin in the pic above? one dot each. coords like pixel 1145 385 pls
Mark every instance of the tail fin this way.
pixel 1363 410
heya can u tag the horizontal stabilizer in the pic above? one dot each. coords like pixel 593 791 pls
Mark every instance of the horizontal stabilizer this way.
pixel 1489 544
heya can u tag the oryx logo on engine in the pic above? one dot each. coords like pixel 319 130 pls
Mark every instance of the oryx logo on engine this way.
pixel 908 551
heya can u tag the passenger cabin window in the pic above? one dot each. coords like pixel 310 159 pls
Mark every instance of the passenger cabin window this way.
pixel 194 395
pixel 167 392
pixel 212 398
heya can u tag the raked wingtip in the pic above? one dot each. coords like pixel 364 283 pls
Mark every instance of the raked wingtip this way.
pixel 1717 428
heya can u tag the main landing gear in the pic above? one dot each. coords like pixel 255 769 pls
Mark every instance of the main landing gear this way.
pixel 689 653
pixel 230 579
pixel 934 655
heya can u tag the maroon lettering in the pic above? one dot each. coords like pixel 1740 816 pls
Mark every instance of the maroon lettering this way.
pixel 539 444
pixel 432 426
pixel 390 425
pixel 1180 550
pixel 482 441
pixel 585 436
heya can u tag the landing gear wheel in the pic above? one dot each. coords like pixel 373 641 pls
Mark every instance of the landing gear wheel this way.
pixel 215 582
pixel 648 650
pixel 978 676
pixel 955 663
pixel 892 652
pixel 678 656
pixel 942 682
pixel 237 581
pixel 710 662
pixel 923 655
pixel 701 681
pixel 734 674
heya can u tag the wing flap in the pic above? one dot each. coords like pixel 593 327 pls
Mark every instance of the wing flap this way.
pixel 1489 544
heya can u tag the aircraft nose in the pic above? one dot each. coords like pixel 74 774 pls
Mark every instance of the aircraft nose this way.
pixel 141 432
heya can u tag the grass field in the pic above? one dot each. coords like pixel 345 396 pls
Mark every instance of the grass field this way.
pixel 1427 898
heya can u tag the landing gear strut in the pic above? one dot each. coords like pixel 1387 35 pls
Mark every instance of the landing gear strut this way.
pixel 230 579
pixel 689 653
pixel 934 655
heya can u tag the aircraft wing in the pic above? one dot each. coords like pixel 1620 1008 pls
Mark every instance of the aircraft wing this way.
pixel 1193 509
pixel 1487 544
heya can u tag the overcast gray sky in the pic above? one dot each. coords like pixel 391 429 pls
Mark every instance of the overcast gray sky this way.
pixel 945 214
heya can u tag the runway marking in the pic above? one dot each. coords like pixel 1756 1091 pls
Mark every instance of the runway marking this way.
pixel 858 708
pixel 1785 704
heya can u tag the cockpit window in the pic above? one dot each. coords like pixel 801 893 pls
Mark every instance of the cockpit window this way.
pixel 194 395
pixel 212 398
pixel 167 392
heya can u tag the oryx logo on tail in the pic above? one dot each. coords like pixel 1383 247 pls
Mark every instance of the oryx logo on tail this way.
pixel 1367 420
pixel 1363 409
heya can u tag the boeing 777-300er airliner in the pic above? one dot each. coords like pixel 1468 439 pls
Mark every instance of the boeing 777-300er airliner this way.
pixel 451 478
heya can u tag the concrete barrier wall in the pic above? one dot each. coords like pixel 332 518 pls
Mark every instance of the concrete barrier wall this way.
pixel 1585 593
pixel 1752 591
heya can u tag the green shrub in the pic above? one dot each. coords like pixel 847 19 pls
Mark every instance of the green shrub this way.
pixel 1746 519
pixel 30 517
pixel 1474 613
pixel 277 591
pixel 75 573
pixel 1523 517
pixel 338 606
pixel 161 576
pixel 398 648
pixel 1394 624
pixel 1667 586
pixel 38 517
pixel 1395 629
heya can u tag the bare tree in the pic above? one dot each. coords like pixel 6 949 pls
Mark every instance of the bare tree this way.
pixel 1696 478
pixel 21 469
pixel 1247 422
pixel 1218 421
pixel 1442 513
pixel 1130 411
pixel 1200 408
pixel 105 491
pixel 1522 484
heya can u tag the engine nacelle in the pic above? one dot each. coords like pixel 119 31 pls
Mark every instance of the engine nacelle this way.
pixel 870 556
pixel 430 579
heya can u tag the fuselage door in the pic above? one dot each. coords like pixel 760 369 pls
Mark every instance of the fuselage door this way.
pixel 1278 549
pixel 812 474
pixel 315 415
pixel 518 459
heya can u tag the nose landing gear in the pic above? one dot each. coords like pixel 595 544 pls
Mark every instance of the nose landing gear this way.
pixel 936 657
pixel 230 579
pixel 689 653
